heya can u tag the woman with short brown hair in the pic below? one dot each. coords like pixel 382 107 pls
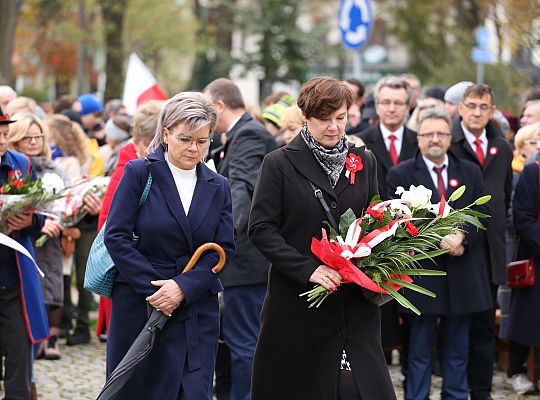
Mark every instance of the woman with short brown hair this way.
pixel 334 351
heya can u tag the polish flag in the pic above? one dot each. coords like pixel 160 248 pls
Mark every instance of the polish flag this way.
pixel 140 85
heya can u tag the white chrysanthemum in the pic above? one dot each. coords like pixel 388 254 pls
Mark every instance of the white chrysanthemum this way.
pixel 52 183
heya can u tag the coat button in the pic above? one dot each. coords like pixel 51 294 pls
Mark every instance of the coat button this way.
pixel 340 334
pixel 333 205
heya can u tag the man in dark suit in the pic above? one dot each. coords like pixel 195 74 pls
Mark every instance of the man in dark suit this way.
pixel 476 139
pixel 390 140
pixel 247 142
pixel 466 288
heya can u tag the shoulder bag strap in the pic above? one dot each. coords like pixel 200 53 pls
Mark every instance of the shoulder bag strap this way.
pixel 318 194
pixel 147 187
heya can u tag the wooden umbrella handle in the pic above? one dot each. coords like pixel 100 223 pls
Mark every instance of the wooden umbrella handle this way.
pixel 205 247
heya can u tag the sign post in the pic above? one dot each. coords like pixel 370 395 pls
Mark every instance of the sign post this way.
pixel 355 21
pixel 481 54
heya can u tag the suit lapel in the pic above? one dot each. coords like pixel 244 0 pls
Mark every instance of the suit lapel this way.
pixel 165 181
pixel 378 148
pixel 454 177
pixel 301 157
pixel 231 135
pixel 205 190
pixel 423 177
pixel 459 140
pixel 409 146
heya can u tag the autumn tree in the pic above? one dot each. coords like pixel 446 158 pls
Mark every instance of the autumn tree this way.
pixel 8 22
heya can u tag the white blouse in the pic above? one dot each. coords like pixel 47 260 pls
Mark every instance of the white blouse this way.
pixel 185 180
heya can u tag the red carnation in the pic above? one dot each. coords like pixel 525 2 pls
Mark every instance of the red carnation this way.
pixel 375 213
pixel 17 183
pixel 411 229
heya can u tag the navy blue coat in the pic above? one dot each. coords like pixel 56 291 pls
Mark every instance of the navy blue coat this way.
pixel 523 323
pixel 184 352
pixel 466 288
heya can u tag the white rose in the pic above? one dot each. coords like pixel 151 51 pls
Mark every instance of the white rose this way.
pixel 418 196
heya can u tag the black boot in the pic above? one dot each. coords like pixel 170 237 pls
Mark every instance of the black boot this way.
pixel 79 336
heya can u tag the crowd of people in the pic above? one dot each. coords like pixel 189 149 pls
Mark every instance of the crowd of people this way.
pixel 205 167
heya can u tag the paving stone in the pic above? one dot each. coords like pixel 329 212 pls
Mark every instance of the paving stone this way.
pixel 80 374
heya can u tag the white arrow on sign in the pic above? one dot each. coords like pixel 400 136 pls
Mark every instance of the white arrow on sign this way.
pixel 361 33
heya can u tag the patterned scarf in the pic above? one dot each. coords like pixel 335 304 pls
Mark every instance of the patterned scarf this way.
pixel 332 160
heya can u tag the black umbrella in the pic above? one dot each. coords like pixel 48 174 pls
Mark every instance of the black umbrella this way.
pixel 142 345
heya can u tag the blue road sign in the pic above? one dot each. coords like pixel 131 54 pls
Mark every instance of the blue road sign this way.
pixel 355 21
pixel 481 34
pixel 482 56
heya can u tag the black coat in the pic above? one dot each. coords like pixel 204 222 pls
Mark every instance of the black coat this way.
pixel 247 144
pixel 374 141
pixel 497 172
pixel 465 288
pixel 299 349
pixel 523 322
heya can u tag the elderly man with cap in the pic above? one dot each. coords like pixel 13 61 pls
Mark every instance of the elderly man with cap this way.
pixel 91 115
pixel 453 96
pixel 23 320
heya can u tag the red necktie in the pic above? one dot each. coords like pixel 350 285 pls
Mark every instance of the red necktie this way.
pixel 392 149
pixel 480 152
pixel 440 181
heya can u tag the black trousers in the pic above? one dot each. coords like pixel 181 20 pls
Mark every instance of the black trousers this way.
pixel 81 257
pixel 482 351
pixel 517 358
pixel 15 346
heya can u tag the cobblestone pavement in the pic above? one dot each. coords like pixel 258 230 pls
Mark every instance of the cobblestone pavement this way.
pixel 79 375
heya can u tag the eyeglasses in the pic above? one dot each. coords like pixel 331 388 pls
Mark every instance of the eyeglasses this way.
pixel 431 135
pixel 37 138
pixel 187 141
pixel 474 106
pixel 388 103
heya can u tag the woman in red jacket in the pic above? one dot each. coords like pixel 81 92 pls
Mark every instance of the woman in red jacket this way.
pixel 144 129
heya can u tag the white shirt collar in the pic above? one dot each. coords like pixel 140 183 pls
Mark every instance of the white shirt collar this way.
pixel 233 124
pixel 471 137
pixel 387 132
pixel 430 164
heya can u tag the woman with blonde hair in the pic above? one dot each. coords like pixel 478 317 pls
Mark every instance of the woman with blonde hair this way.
pixel 27 136
pixel 525 143
pixel 70 143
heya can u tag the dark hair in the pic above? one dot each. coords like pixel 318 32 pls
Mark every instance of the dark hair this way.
pixel 64 102
pixel 225 90
pixel 479 90
pixel 359 85
pixel 323 95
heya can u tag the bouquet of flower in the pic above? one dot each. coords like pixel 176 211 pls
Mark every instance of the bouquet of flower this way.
pixel 382 249
pixel 19 194
pixel 69 210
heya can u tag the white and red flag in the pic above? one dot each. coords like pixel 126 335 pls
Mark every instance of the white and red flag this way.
pixel 140 85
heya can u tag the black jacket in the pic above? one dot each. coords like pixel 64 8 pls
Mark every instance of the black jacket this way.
pixel 247 144
pixel 374 141
pixel 465 288
pixel 299 349
pixel 497 173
